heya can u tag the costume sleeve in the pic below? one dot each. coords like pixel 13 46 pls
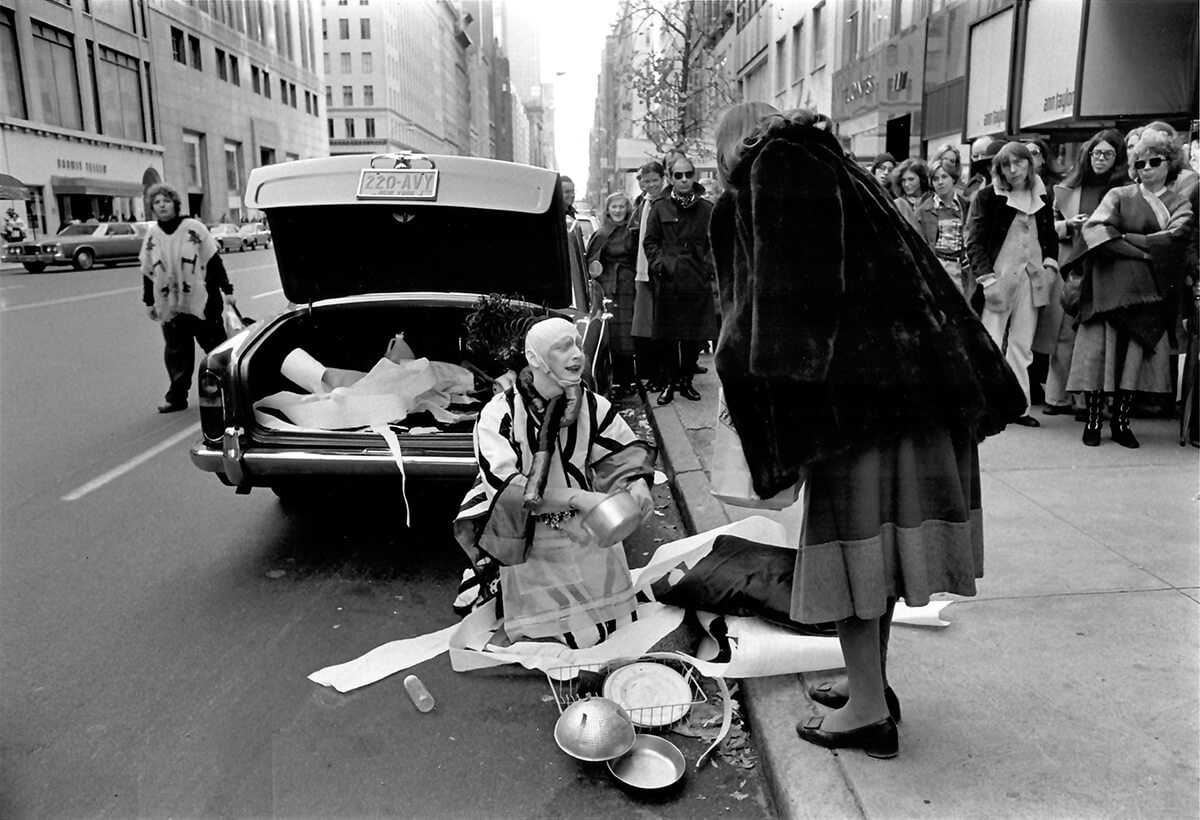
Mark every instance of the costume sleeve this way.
pixel 796 281
pixel 504 535
pixel 617 457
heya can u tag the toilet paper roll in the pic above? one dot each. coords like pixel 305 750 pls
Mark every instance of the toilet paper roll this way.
pixel 305 371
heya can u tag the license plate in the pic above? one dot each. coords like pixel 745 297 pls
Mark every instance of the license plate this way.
pixel 398 183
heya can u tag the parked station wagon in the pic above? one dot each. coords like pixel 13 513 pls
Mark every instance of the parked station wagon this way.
pixel 433 234
pixel 81 246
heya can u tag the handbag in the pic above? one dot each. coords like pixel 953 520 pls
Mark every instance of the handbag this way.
pixel 731 481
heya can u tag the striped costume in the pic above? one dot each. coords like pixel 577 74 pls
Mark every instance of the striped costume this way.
pixel 550 586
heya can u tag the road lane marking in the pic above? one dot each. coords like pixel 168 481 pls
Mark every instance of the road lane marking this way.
pixel 120 470
pixel 268 293
pixel 83 296
pixel 10 287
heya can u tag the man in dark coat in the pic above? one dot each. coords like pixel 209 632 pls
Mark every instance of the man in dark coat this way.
pixel 680 261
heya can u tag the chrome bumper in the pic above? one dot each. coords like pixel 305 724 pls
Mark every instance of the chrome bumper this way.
pixel 258 469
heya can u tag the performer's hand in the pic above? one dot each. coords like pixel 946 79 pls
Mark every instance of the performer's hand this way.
pixel 229 300
pixel 641 491
pixel 152 313
pixel 584 500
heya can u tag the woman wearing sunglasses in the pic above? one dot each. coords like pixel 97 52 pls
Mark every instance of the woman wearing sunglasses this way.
pixel 1135 242
pixel 1102 166
pixel 681 270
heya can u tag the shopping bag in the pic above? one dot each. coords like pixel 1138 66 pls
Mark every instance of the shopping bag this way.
pixel 731 480
pixel 233 320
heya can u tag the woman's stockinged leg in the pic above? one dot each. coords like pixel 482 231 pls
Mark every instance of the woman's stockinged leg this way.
pixel 860 641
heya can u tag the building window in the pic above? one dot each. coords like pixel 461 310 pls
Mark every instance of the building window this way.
pixel 222 67
pixel 343 29
pixel 266 84
pixel 57 81
pixel 324 29
pixel 327 63
pixel 194 48
pixel 364 28
pixel 177 46
pixel 818 34
pixel 798 70
pixel 329 122
pixel 347 66
pixel 120 87
pixel 292 94
pixel 781 65
pixel 283 94
pixel 307 103
pixel 368 64
pixel 852 35
pixel 370 127
pixel 234 169
pixel 349 128
pixel 192 143
pixel 255 80
pixel 235 74
pixel 12 96
pixel 368 95
pixel 347 95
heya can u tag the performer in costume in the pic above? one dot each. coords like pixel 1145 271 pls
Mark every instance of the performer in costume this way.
pixel 549 449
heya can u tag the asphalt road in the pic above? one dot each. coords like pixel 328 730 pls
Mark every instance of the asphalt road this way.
pixel 156 631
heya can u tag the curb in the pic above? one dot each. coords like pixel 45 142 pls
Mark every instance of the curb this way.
pixel 805 782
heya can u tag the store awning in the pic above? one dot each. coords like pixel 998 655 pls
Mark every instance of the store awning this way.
pixel 95 187
pixel 12 188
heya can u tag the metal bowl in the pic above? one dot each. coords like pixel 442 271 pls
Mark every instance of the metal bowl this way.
pixel 613 519
pixel 594 729
pixel 653 763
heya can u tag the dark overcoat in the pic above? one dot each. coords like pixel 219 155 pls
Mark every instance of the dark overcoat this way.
pixel 680 259
pixel 614 247
pixel 841 330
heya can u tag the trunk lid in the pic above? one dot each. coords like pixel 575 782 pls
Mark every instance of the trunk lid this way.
pixel 351 225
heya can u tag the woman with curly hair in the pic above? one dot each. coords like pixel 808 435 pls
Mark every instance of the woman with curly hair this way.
pixel 1102 166
pixel 1135 241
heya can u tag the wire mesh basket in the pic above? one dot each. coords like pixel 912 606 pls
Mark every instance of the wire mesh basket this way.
pixel 656 690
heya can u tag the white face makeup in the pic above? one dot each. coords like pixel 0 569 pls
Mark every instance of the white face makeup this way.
pixel 565 359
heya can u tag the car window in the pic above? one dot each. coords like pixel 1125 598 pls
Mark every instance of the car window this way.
pixel 78 230
pixel 120 230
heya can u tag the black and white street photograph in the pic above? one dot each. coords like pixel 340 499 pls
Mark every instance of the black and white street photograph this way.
pixel 659 409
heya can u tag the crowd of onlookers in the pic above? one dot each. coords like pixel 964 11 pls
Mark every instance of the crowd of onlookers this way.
pixel 1081 268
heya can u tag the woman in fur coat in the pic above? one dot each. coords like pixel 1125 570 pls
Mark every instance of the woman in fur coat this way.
pixel 848 357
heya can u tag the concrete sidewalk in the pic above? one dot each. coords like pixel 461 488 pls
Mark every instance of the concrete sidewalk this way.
pixel 1067 688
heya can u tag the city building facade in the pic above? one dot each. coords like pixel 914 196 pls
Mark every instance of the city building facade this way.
pixel 100 100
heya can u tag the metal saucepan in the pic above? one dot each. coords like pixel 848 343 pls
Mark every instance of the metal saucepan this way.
pixel 652 764
pixel 613 519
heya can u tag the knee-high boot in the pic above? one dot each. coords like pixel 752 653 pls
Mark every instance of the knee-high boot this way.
pixel 1094 400
pixel 1119 426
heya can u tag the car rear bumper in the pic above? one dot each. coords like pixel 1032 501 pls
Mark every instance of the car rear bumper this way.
pixel 260 469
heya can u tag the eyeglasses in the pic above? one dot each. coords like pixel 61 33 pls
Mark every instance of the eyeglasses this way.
pixel 1033 149
pixel 1101 154
pixel 683 174
pixel 1153 162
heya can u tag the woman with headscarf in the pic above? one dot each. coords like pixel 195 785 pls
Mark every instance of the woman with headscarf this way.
pixel 613 246
pixel 1135 243
pixel 1014 257
pixel 1101 167
pixel 184 288
pixel 549 449
pixel 848 356
pixel 680 263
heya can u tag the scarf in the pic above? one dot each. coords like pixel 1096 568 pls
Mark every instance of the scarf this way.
pixel 684 201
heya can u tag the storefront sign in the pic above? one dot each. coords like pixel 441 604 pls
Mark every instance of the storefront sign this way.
pixel 1051 58
pixel 860 88
pixel 78 165
pixel 988 71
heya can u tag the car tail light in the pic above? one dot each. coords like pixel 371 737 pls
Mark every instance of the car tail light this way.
pixel 212 415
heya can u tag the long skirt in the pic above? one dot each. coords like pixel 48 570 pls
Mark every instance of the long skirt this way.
pixel 1107 359
pixel 899 520
pixel 567 592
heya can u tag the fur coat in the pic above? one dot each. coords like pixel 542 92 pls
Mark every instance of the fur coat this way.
pixel 841 329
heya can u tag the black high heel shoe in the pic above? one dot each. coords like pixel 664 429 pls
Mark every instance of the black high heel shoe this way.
pixel 667 395
pixel 880 739
pixel 824 695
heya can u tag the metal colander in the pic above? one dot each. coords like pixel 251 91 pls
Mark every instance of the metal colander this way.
pixel 595 729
